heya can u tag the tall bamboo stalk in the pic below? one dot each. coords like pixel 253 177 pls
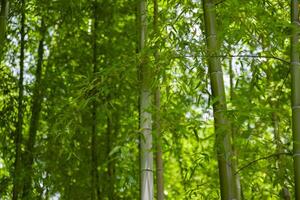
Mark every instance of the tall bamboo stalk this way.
pixel 284 192
pixel 146 155
pixel 222 125
pixel 17 186
pixel 17 180
pixel 95 190
pixel 34 121
pixel 295 73
pixel 157 94
pixel 236 181
pixel 110 165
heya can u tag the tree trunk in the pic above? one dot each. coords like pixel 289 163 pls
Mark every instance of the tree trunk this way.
pixel 159 159
pixel 95 191
pixel 146 155
pixel 34 122
pixel 17 187
pixel 295 74
pixel 222 125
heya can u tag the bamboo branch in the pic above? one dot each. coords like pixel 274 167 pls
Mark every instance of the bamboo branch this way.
pixel 255 56
pixel 261 158
pixel 242 56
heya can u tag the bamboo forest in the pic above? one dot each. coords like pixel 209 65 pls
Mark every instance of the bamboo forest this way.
pixel 149 99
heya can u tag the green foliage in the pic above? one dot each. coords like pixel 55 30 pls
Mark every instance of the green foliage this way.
pixel 254 55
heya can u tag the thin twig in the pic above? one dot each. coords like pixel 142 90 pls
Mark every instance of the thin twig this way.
pixel 255 56
pixel 259 159
pixel 220 2
pixel 241 56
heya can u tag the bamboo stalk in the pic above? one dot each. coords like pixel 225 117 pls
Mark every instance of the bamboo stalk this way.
pixel 295 74
pixel 221 123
